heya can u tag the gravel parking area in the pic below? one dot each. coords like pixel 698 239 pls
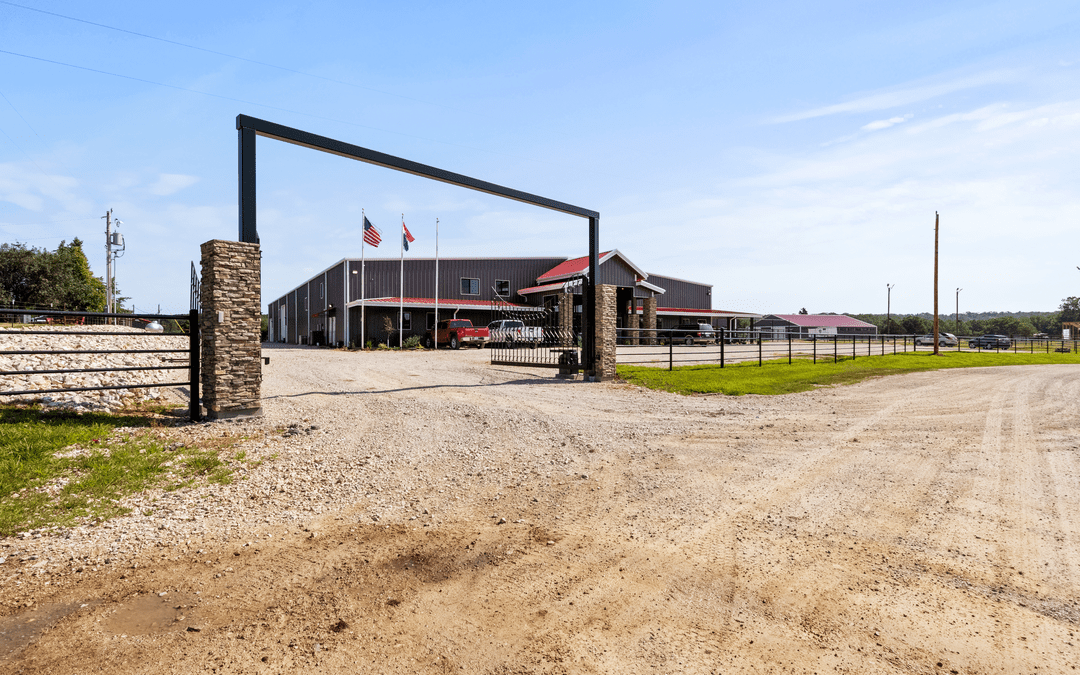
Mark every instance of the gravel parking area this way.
pixel 428 512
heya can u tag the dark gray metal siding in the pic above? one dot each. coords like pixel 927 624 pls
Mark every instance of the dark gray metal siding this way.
pixel 679 293
pixel 335 296
pixel 614 271
pixel 291 307
pixel 383 277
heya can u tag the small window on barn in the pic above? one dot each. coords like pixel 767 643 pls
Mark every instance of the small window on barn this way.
pixel 470 286
pixel 320 291
pixel 502 287
pixel 406 321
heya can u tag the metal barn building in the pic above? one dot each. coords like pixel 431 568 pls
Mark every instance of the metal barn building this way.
pixel 807 325
pixel 337 306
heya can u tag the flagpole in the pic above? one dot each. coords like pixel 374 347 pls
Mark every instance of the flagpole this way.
pixel 436 283
pixel 363 301
pixel 401 288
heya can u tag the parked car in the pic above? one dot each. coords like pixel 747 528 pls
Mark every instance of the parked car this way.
pixel 990 342
pixel 510 332
pixel 944 340
pixel 456 332
pixel 692 334
pixel 1041 336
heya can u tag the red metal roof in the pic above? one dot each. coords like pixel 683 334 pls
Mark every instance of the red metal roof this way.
pixel 823 320
pixel 565 269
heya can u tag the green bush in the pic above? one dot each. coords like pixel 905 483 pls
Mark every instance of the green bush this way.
pixel 412 342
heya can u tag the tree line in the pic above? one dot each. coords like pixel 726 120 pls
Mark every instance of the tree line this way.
pixel 39 278
pixel 1015 324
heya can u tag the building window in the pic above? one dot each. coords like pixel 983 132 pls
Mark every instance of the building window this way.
pixel 406 321
pixel 320 290
pixel 502 287
pixel 470 286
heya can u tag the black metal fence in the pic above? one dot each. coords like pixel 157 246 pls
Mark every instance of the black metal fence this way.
pixel 674 347
pixel 67 323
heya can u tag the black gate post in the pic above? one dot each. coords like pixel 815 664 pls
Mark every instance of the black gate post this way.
pixel 589 298
pixel 671 350
pixel 248 230
pixel 723 339
pixel 194 409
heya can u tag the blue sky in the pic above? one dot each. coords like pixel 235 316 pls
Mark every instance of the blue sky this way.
pixel 791 154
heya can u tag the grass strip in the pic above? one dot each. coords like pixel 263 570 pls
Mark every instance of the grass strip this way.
pixel 41 486
pixel 778 377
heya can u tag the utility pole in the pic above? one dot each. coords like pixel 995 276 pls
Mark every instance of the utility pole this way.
pixel 888 306
pixel 958 312
pixel 937 347
pixel 108 261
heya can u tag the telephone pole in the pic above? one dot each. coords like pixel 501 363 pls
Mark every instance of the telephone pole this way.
pixel 937 347
pixel 888 306
pixel 108 261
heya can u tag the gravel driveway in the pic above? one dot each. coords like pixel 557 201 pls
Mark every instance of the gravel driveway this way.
pixel 427 512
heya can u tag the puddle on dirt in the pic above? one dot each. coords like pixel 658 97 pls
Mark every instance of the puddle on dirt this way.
pixel 152 614
pixel 19 630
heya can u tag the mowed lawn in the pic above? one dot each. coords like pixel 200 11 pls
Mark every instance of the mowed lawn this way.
pixel 779 377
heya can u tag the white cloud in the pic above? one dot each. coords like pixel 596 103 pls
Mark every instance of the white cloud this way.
pixel 885 124
pixel 899 97
pixel 171 183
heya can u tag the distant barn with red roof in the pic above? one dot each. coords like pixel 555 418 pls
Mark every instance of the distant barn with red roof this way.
pixel 807 325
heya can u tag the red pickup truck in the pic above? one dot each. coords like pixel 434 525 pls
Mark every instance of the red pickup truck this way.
pixel 457 332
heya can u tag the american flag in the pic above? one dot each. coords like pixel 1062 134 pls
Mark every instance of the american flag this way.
pixel 371 234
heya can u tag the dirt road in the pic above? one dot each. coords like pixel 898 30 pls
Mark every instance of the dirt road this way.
pixel 925 523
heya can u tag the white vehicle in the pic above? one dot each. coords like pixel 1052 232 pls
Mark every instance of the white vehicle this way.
pixel 944 340
pixel 511 332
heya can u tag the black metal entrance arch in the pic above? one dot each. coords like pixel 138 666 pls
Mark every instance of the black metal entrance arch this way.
pixel 250 127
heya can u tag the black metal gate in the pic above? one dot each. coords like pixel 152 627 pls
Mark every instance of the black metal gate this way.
pixel 532 336
pixel 68 323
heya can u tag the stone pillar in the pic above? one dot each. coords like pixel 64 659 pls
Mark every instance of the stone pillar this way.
pixel 566 320
pixel 633 321
pixel 605 332
pixel 230 329
pixel 649 317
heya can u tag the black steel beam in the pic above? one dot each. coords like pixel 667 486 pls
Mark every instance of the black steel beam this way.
pixel 335 147
pixel 248 127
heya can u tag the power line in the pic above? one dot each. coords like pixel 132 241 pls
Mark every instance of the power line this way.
pixel 229 56
pixel 262 105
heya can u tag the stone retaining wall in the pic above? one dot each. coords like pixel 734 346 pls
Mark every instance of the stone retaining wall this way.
pixel 125 338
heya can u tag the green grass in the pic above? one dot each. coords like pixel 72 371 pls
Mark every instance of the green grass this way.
pixel 40 489
pixel 778 377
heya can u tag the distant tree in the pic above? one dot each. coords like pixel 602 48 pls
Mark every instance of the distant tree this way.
pixel 60 279
pixel 803 311
pixel 1069 310
pixel 1046 323
pixel 916 325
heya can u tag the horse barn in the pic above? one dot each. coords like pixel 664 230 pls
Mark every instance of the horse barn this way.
pixel 327 308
